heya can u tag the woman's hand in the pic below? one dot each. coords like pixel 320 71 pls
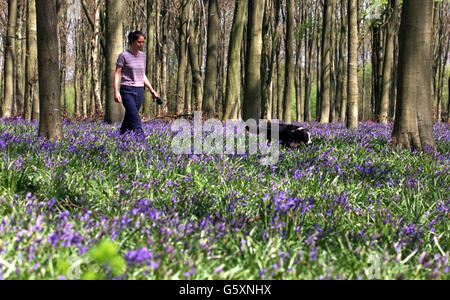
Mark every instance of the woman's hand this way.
pixel 117 97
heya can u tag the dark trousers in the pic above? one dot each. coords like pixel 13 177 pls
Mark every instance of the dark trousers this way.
pixel 132 98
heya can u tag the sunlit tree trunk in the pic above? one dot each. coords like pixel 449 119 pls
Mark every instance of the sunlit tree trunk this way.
pixel 50 121
pixel 289 83
pixel 233 84
pixel 326 63
pixel 353 94
pixel 182 56
pixel 10 55
pixel 388 62
pixel 252 99
pixel 31 64
pixel 114 112
pixel 413 126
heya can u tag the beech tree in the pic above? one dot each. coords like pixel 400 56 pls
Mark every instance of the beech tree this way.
pixel 252 99
pixel 50 120
pixel 114 112
pixel 353 95
pixel 10 53
pixel 413 125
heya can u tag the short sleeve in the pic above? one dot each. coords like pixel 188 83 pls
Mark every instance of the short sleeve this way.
pixel 120 60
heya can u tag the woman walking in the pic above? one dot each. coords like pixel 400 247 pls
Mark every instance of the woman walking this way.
pixel 131 66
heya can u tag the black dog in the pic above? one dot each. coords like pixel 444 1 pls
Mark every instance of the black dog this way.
pixel 289 135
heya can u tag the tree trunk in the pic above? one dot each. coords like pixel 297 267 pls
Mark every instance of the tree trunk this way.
pixel 94 57
pixel 150 56
pixel 275 64
pixel 266 63
pixel 188 91
pixel 197 80
pixel 31 63
pixel 62 33
pixel 10 56
pixel 252 99
pixel 352 108
pixel 309 48
pixel 182 56
pixel 20 64
pixel 233 85
pixel 326 63
pixel 164 91
pixel 388 62
pixel 210 84
pixel 289 62
pixel 340 96
pixel 413 126
pixel 50 125
pixel 114 112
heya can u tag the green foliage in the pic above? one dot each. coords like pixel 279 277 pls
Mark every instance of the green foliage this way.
pixel 107 256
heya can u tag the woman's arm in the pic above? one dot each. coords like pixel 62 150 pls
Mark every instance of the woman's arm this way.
pixel 117 74
pixel 147 84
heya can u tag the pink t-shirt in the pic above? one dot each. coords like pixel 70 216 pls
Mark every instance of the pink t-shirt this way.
pixel 133 68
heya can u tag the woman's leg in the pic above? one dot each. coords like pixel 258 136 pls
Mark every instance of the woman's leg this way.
pixel 130 100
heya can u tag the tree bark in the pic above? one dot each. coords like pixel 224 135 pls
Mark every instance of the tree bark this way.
pixel 388 62
pixel 20 63
pixel 31 64
pixel 352 108
pixel 50 125
pixel 210 84
pixel 266 63
pixel 289 62
pixel 114 112
pixel 252 99
pixel 197 80
pixel 326 63
pixel 183 56
pixel 340 93
pixel 10 56
pixel 233 83
pixel 413 126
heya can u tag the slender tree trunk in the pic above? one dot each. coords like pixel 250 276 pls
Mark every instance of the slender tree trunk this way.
pixel 94 57
pixel 20 65
pixel 50 125
pixel 233 85
pixel 10 56
pixel 326 63
pixel 183 56
pixel 150 55
pixel 275 64
pixel 197 80
pixel 210 84
pixel 62 32
pixel 31 63
pixel 289 83
pixel 309 46
pixel 252 100
pixel 114 112
pixel 340 105
pixel 280 79
pixel 164 30
pixel 298 83
pixel 266 64
pixel 413 126
pixel 188 92
pixel 352 109
pixel 388 62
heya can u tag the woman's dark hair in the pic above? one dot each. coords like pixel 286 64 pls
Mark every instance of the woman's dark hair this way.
pixel 133 36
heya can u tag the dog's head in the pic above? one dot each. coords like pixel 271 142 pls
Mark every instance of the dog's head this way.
pixel 298 136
